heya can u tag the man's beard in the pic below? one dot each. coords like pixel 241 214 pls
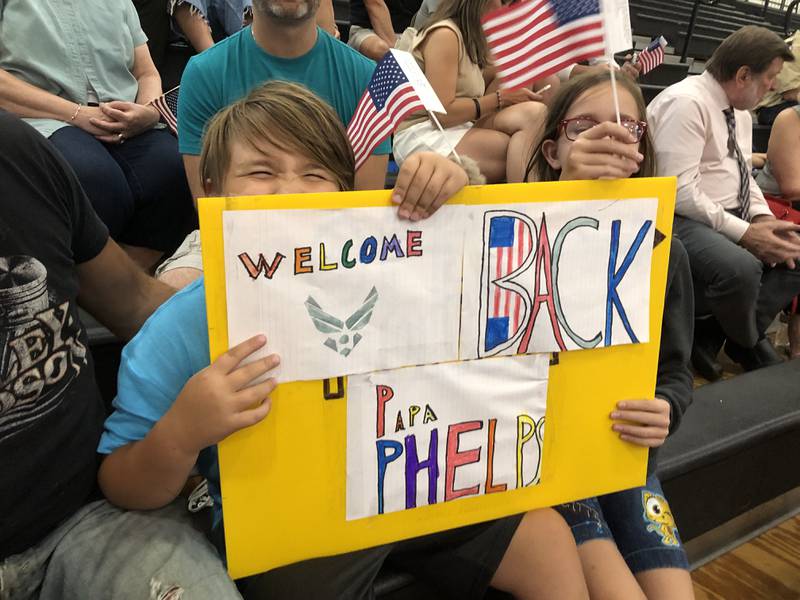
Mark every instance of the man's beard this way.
pixel 275 9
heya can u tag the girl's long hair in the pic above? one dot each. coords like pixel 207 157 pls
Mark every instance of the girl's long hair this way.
pixel 539 169
pixel 466 14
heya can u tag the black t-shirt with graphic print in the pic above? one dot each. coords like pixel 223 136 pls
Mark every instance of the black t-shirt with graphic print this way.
pixel 51 413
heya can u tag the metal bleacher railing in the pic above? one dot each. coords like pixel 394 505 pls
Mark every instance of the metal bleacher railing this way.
pixel 692 21
pixel 788 27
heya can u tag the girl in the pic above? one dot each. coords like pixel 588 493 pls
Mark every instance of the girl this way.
pixel 482 122
pixel 173 407
pixel 627 541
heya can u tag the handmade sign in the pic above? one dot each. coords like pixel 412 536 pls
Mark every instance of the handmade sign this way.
pixel 287 490
pixel 362 291
pixel 556 276
pixel 437 433
pixel 343 292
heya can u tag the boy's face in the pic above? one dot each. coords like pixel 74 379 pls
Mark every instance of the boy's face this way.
pixel 273 170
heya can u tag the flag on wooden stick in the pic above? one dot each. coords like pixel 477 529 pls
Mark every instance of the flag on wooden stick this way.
pixel 398 88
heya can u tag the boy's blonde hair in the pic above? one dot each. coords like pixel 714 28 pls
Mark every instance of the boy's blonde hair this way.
pixel 286 115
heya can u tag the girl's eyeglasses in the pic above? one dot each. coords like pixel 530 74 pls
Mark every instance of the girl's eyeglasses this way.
pixel 572 128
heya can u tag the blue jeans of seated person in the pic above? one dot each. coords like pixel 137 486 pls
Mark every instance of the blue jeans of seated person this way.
pixel 639 521
pixel 138 189
pixel 224 17
pixel 104 552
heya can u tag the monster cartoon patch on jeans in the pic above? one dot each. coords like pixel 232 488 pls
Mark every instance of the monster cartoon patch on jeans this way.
pixel 658 517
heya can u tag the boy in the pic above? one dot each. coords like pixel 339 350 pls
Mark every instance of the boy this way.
pixel 173 408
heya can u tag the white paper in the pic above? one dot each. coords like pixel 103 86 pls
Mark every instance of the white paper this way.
pixel 617 25
pixel 417 78
pixel 377 314
pixel 482 423
pixel 576 284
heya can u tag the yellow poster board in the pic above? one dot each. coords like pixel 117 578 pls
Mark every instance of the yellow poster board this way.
pixel 283 480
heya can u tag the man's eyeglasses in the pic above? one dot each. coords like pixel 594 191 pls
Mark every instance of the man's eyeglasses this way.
pixel 572 128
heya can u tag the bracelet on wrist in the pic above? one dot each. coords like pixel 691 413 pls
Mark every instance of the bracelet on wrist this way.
pixel 75 114
pixel 499 100
pixel 477 108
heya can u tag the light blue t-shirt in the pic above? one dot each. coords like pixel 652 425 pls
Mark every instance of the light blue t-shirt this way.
pixel 230 69
pixel 168 350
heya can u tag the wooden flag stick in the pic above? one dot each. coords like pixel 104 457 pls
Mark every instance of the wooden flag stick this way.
pixel 444 137
pixel 613 67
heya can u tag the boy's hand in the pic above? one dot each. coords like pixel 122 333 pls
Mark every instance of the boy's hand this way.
pixel 644 422
pixel 219 400
pixel 425 182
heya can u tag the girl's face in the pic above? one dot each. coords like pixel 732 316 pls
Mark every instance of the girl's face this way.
pixel 594 105
pixel 273 170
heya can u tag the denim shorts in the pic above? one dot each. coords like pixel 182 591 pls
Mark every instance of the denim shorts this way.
pixel 639 521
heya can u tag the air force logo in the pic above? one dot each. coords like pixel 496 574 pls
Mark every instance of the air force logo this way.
pixel 328 324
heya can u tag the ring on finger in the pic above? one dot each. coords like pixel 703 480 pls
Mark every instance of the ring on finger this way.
pixel 121 138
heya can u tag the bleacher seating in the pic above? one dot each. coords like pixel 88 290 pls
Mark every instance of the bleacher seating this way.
pixel 714 22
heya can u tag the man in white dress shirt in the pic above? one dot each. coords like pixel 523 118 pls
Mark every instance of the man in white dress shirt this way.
pixel 742 258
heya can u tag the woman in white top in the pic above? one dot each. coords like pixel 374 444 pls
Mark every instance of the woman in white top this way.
pixel 489 125
pixel 780 179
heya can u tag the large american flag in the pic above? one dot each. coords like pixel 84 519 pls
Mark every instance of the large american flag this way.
pixel 653 55
pixel 510 244
pixel 167 107
pixel 388 99
pixel 536 38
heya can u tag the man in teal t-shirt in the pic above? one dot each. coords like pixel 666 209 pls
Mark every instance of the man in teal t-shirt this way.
pixel 282 43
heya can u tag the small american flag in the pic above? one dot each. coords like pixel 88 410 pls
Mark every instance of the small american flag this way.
pixel 510 244
pixel 536 38
pixel 653 55
pixel 388 99
pixel 167 107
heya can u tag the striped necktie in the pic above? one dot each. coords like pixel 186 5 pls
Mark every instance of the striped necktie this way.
pixel 744 170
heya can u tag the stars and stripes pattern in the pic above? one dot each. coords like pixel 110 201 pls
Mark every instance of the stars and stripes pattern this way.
pixel 388 99
pixel 510 244
pixel 167 107
pixel 653 55
pixel 536 38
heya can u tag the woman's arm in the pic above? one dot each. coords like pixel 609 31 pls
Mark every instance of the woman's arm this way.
pixel 28 101
pixel 440 52
pixel 123 120
pixel 145 72
pixel 782 153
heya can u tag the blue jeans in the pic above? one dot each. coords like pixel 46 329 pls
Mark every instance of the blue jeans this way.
pixel 104 552
pixel 639 521
pixel 224 17
pixel 138 189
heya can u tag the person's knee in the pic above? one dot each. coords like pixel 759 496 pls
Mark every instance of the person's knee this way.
pixel 533 113
pixel 546 522
pixel 373 47
pixel 100 177
pixel 740 272
pixel 161 168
